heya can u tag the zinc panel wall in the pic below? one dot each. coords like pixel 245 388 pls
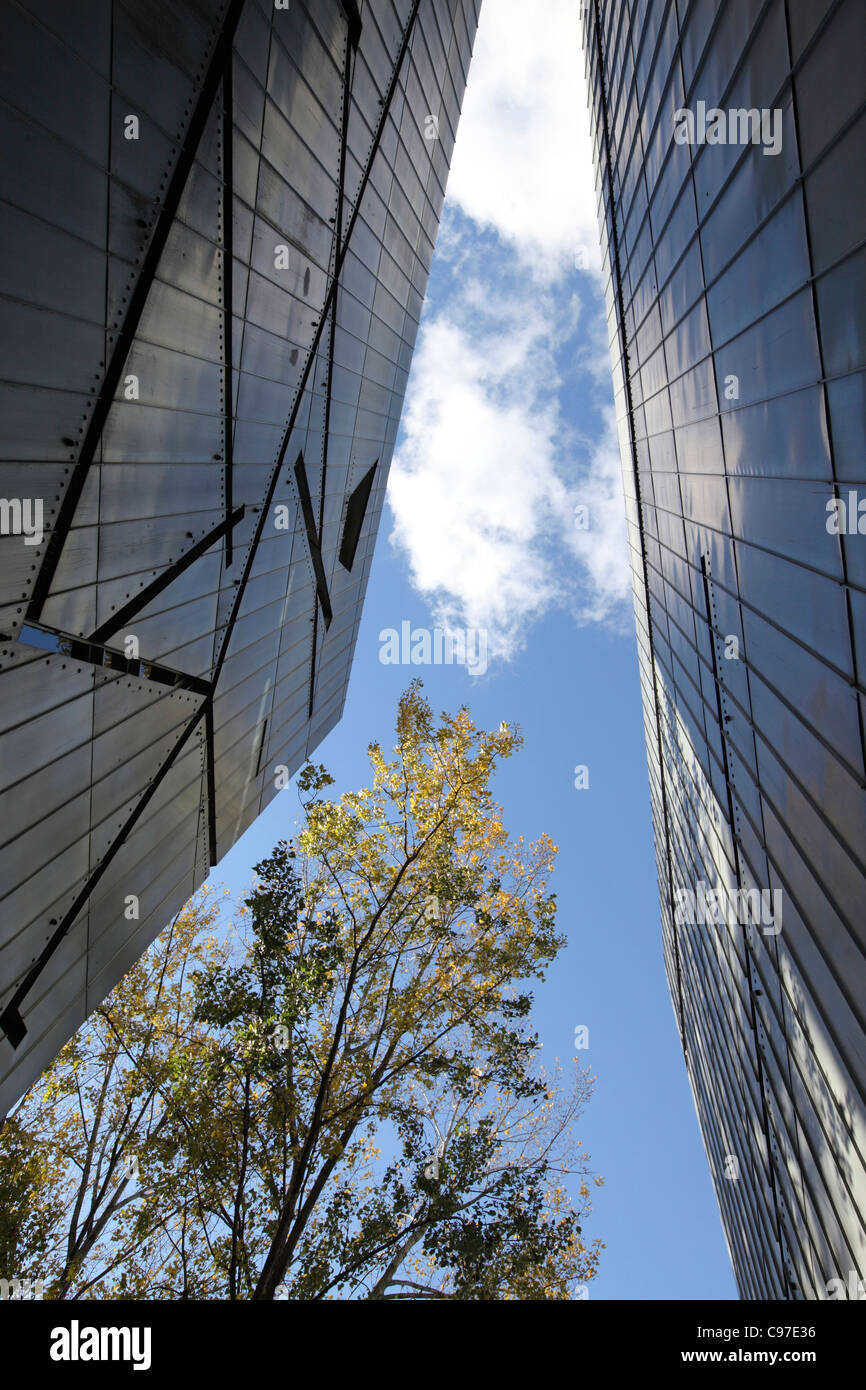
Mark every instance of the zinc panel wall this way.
pixel 737 326
pixel 190 303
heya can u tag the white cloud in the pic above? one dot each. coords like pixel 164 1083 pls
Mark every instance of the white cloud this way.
pixel 602 549
pixel 484 485
pixel 508 423
pixel 522 162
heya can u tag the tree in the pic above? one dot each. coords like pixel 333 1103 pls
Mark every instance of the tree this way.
pixel 74 1151
pixel 355 1105
pixel 31 1173
pixel 472 1206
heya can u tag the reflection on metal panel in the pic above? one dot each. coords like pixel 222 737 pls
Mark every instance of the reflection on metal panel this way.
pixel 216 225
pixel 738 348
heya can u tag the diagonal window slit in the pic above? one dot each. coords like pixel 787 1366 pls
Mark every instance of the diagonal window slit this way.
pixel 355 513
pixel 313 539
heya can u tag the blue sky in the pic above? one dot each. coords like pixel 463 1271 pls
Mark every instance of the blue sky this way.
pixel 507 433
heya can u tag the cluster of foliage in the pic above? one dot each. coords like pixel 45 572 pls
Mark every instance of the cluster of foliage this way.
pixel 339 1096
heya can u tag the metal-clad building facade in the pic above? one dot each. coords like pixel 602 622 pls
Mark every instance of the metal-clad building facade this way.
pixel 216 226
pixel 736 300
